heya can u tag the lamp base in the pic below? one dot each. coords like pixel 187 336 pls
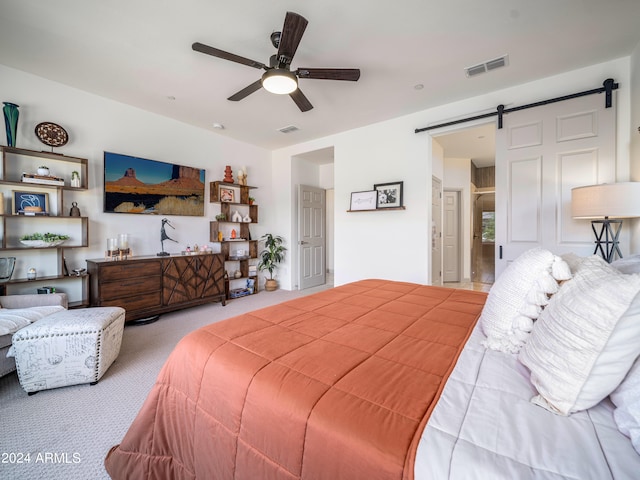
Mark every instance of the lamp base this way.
pixel 607 240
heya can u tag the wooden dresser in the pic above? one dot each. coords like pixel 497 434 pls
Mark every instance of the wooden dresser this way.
pixel 147 286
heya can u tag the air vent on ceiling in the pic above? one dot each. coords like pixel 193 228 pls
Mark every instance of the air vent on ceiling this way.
pixel 288 129
pixel 487 66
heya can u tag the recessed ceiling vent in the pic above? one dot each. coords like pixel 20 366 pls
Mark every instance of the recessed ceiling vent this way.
pixel 288 129
pixel 487 66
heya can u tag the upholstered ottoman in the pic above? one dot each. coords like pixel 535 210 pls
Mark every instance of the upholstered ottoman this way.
pixel 68 347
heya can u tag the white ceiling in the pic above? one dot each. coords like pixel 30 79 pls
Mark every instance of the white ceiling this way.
pixel 477 143
pixel 139 53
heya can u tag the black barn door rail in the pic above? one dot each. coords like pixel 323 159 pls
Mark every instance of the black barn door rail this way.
pixel 608 86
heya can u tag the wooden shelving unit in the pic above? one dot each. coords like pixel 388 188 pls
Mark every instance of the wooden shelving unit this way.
pixel 235 287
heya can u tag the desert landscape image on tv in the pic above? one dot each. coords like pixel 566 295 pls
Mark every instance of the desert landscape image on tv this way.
pixel 138 185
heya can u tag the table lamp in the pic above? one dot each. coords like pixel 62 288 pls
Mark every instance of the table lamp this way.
pixel 606 205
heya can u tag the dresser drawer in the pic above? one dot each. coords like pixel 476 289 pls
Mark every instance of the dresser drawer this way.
pixel 119 271
pixel 132 304
pixel 128 287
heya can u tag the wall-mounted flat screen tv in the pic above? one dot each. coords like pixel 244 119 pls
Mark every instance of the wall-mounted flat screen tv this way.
pixel 138 185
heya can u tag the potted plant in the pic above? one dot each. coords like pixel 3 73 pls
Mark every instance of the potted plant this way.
pixel 43 170
pixel 251 200
pixel 270 257
pixel 75 179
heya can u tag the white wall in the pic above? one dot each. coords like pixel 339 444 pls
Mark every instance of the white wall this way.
pixel 634 133
pixel 395 244
pixel 96 124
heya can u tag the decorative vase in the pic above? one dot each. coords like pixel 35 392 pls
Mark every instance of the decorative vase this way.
pixel 43 171
pixel 7 264
pixel 11 114
pixel 228 174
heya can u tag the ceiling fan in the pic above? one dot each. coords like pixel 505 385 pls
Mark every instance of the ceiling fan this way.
pixel 278 77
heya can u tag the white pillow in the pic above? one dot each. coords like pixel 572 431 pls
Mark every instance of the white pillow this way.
pixel 586 340
pixel 517 297
pixel 628 264
pixel 626 398
pixel 13 319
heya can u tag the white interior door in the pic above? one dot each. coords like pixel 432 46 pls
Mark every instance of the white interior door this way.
pixel 311 236
pixel 451 236
pixel 541 154
pixel 436 231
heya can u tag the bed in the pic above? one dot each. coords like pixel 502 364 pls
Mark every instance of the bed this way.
pixel 371 380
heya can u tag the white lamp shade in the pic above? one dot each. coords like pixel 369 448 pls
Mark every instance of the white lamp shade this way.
pixel 280 82
pixel 612 200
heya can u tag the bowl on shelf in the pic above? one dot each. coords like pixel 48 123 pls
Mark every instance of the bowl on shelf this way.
pixel 40 240
pixel 42 243
pixel 7 264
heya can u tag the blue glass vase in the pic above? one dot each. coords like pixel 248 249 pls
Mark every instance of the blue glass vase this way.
pixel 11 114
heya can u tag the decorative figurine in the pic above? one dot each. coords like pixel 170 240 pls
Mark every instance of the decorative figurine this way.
pixel 75 211
pixel 164 236
pixel 233 233
pixel 242 176
pixel 228 174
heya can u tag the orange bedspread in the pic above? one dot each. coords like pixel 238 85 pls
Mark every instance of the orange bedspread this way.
pixel 336 385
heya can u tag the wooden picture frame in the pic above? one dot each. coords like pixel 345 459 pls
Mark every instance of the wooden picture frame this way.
pixel 389 194
pixel 363 200
pixel 21 199
pixel 227 195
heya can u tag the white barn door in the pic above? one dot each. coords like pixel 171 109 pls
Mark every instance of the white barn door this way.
pixel 541 154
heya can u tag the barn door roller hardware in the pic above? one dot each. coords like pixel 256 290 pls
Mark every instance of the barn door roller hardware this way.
pixel 608 86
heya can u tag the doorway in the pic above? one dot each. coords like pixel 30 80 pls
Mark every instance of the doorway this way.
pixel 312 251
pixel 484 237
pixel 469 166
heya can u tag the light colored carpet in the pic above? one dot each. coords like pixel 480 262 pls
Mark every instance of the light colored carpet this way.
pixel 65 433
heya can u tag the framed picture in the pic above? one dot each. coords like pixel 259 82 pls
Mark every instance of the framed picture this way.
pixel 227 194
pixel 389 194
pixel 363 200
pixel 29 203
pixel 150 187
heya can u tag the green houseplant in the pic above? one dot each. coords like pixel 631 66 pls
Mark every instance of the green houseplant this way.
pixel 270 257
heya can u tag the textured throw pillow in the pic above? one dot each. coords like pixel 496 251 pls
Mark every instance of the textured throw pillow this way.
pixel 626 398
pixel 586 340
pixel 518 296
pixel 13 319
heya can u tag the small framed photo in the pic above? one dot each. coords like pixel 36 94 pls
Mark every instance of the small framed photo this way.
pixel 389 194
pixel 227 194
pixel 29 203
pixel 363 200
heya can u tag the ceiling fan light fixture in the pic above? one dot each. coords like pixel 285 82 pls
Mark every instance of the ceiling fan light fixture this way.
pixel 280 82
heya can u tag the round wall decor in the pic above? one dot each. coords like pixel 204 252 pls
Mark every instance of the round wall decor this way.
pixel 52 134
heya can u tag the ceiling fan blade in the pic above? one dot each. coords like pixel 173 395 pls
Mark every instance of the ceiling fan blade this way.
pixel 351 74
pixel 294 26
pixel 301 101
pixel 246 91
pixel 199 47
